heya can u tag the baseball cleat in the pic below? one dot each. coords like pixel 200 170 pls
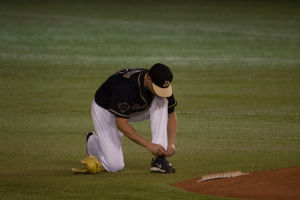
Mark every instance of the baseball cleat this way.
pixel 88 135
pixel 162 165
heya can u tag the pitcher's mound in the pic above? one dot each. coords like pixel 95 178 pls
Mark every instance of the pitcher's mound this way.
pixel 266 185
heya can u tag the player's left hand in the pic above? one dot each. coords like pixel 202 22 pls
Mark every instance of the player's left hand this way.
pixel 171 150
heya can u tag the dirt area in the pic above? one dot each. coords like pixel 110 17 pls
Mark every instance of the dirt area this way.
pixel 266 185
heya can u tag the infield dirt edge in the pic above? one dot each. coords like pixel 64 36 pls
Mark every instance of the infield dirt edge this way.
pixel 277 184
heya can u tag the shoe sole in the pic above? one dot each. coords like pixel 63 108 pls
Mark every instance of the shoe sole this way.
pixel 87 136
pixel 158 170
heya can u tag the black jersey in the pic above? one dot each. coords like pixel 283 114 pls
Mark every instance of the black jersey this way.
pixel 124 93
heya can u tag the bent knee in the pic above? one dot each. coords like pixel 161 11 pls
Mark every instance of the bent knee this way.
pixel 114 165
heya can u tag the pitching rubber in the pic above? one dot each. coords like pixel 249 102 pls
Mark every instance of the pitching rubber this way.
pixel 221 175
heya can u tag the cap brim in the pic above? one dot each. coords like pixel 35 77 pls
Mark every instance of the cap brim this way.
pixel 162 92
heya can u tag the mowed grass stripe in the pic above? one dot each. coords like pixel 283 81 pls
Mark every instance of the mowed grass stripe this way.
pixel 236 70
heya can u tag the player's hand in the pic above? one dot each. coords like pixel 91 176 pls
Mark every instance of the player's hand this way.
pixel 156 149
pixel 171 150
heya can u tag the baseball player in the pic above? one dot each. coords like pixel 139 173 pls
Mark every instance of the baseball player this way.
pixel 132 95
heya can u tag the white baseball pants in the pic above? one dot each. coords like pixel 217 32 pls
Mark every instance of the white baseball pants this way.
pixel 106 143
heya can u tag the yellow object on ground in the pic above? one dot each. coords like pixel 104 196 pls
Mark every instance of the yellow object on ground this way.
pixel 92 166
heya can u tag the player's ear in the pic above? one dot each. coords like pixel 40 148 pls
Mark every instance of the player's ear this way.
pixel 148 77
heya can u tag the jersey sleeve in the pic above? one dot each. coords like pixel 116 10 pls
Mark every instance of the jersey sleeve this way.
pixel 172 103
pixel 121 101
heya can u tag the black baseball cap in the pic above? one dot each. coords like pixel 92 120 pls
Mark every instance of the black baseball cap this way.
pixel 161 77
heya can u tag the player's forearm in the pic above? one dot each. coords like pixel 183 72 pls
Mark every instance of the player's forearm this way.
pixel 131 133
pixel 172 128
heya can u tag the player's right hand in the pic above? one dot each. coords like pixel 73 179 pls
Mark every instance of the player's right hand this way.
pixel 156 149
pixel 171 150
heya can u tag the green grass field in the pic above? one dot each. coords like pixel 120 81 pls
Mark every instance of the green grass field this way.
pixel 237 81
